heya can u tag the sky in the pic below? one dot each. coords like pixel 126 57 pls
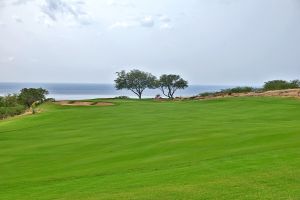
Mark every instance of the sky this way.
pixel 208 42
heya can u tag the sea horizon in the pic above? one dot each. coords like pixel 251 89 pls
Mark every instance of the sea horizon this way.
pixel 77 91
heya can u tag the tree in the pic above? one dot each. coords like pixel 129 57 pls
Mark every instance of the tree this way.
pixel 28 96
pixel 136 81
pixel 170 83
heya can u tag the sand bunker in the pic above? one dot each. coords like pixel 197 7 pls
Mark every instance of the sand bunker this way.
pixel 83 103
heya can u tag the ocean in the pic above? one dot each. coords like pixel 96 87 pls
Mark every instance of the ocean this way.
pixel 76 91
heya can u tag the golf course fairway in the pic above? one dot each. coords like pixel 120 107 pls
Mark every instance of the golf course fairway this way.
pixel 230 148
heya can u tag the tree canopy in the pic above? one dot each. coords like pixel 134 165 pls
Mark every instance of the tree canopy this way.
pixel 170 83
pixel 28 96
pixel 136 81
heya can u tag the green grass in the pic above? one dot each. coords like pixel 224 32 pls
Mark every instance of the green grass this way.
pixel 233 148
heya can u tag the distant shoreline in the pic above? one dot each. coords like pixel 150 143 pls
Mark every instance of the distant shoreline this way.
pixel 78 91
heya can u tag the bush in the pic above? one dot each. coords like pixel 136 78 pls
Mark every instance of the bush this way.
pixel 11 111
pixel 9 101
pixel 228 91
pixel 50 100
pixel 281 85
pixel 12 105
pixel 238 90
pixel 9 106
pixel 122 97
pixel 207 94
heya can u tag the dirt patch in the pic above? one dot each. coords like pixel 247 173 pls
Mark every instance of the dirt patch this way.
pixel 295 93
pixel 83 103
pixel 276 93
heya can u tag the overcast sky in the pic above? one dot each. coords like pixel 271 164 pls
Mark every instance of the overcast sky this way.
pixel 215 42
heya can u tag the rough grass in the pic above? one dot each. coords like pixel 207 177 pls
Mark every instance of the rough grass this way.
pixel 235 148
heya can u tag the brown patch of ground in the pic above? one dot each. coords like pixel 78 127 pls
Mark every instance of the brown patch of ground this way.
pixel 83 103
pixel 28 112
pixel 281 93
pixel 295 93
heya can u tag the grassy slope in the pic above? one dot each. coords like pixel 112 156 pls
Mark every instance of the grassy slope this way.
pixel 240 148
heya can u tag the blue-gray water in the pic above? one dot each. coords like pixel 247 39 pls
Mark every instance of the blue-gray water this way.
pixel 68 91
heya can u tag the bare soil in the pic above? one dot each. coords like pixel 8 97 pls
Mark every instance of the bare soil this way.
pixel 274 93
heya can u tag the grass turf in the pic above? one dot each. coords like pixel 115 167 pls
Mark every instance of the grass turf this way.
pixel 234 148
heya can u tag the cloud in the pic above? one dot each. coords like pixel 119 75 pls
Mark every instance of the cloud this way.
pixel 164 22
pixel 53 8
pixel 34 60
pixel 11 59
pixel 17 19
pixel 164 18
pixel 43 19
pixel 19 2
pixel 123 24
pixel 2 4
pixel 147 21
pixel 115 3
pixel 85 19
pixel 226 2
pixel 165 26
pixel 56 10
pixel 72 11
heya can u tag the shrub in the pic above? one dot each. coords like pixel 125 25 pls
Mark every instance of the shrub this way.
pixel 281 85
pixel 238 90
pixel 207 94
pixel 12 105
pixel 228 91
pixel 50 100
pixel 157 96
pixel 9 101
pixel 122 97
pixel 11 111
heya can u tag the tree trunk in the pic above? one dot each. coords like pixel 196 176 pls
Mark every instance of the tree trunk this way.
pixel 170 95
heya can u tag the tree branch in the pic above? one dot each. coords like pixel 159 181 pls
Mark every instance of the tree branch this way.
pixel 134 92
pixel 163 91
